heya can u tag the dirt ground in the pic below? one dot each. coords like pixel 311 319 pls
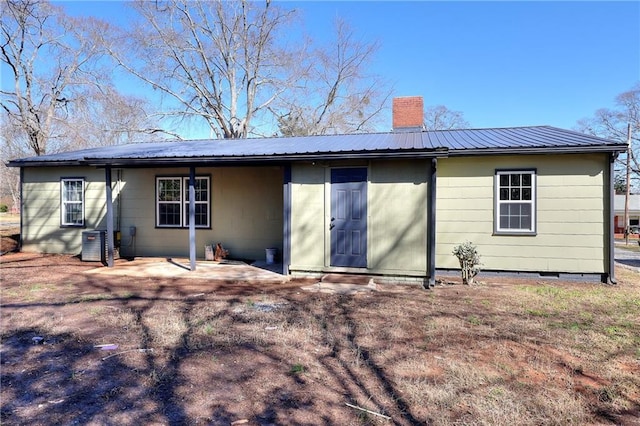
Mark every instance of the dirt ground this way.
pixel 123 350
pixel 8 239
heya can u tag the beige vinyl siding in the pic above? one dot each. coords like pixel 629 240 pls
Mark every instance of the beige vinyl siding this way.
pixel 42 230
pixel 398 217
pixel 308 217
pixel 396 222
pixel 569 204
pixel 246 211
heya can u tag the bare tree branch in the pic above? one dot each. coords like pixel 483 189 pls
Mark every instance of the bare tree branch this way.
pixel 62 96
pixel 334 93
pixel 612 124
pixel 218 61
pixel 440 117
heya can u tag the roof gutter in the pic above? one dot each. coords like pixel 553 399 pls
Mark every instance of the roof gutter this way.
pixel 32 163
pixel 274 158
pixel 235 160
pixel 542 150
pixel 316 156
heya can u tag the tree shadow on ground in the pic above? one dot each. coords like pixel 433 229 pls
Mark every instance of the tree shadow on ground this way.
pixel 63 379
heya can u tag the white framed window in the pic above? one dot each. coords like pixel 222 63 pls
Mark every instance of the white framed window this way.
pixel 172 202
pixel 72 202
pixel 515 208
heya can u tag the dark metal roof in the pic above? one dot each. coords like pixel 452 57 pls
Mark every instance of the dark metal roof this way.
pixel 539 139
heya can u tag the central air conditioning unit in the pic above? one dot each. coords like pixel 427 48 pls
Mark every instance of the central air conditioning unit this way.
pixel 94 246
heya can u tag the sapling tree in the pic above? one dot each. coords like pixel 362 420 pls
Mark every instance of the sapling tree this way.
pixel 469 259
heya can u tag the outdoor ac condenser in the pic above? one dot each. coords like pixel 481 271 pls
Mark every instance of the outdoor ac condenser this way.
pixel 93 246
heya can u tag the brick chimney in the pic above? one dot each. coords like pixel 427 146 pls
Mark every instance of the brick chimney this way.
pixel 408 113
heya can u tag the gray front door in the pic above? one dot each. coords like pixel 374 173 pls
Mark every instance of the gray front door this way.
pixel 349 217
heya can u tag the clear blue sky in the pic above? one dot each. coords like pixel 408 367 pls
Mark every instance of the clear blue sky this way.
pixel 499 63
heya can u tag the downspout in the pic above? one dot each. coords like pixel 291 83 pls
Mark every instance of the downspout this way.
pixel 431 225
pixel 192 218
pixel 109 195
pixel 286 237
pixel 611 227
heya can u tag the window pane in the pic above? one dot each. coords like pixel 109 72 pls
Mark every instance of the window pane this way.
pixel 73 214
pixel 169 190
pixel 169 214
pixel 526 221
pixel 186 188
pixel 504 216
pixel 201 215
pixel 526 180
pixel 514 222
pixel 72 190
pixel 515 179
pixel 201 190
pixel 504 180
pixel 515 193
pixel 526 193
pixel 504 193
pixel 504 222
pixel 516 216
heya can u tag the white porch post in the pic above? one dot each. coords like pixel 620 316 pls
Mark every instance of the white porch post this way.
pixel 109 196
pixel 192 217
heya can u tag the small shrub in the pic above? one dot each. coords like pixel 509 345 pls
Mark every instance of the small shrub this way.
pixel 469 259
pixel 4 208
pixel 297 369
pixel 474 320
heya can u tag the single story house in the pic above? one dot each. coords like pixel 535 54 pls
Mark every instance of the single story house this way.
pixel 634 212
pixel 534 200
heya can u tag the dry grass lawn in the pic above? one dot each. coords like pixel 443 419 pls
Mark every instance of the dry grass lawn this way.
pixel 505 352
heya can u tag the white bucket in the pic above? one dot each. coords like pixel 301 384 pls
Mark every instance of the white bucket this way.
pixel 271 255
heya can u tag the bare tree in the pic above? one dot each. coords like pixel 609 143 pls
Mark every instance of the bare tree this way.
pixel 334 92
pixel 612 124
pixel 217 61
pixel 440 117
pixel 104 117
pixel 59 95
pixel 11 146
pixel 49 60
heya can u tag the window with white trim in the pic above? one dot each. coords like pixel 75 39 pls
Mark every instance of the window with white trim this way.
pixel 72 202
pixel 515 210
pixel 172 202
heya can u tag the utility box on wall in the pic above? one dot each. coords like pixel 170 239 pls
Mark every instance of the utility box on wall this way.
pixel 93 246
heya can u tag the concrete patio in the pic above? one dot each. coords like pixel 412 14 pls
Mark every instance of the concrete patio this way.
pixel 232 271
pixel 227 270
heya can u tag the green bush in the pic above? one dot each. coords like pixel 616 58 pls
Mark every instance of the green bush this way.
pixel 4 208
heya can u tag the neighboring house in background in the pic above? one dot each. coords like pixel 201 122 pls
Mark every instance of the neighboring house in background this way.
pixel 532 199
pixel 634 213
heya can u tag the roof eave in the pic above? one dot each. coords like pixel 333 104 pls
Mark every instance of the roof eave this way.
pixel 267 159
pixel 247 159
pixel 36 163
pixel 539 150
pixel 316 156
